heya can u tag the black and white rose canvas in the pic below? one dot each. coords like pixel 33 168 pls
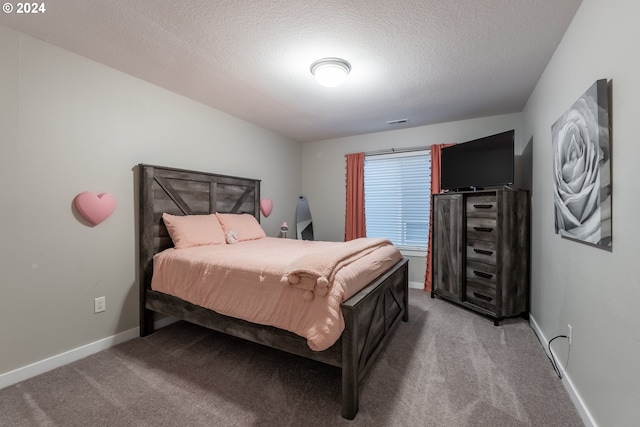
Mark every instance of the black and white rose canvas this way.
pixel 582 169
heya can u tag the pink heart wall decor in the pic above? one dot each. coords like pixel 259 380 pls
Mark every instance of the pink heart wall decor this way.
pixel 95 208
pixel 266 206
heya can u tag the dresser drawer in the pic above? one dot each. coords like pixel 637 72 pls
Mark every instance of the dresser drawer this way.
pixel 482 229
pixel 482 205
pixel 482 273
pixel 482 251
pixel 482 296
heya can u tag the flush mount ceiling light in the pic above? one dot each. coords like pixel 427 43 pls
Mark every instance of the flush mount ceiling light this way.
pixel 330 72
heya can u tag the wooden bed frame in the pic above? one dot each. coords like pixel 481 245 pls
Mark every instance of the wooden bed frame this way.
pixel 370 315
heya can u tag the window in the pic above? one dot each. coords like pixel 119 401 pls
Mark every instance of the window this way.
pixel 397 190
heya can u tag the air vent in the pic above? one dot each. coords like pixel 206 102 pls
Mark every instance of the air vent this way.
pixel 397 122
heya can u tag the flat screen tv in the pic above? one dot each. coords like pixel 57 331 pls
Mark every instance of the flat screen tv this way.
pixel 478 164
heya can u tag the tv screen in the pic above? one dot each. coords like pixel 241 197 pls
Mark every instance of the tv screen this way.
pixel 477 164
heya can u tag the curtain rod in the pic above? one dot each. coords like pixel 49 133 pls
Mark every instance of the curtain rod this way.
pixel 396 150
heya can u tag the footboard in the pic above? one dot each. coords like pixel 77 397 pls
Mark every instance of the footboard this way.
pixel 370 317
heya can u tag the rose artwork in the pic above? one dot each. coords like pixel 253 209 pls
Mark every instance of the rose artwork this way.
pixel 581 170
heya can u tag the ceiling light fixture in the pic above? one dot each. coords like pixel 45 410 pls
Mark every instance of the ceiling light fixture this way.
pixel 330 72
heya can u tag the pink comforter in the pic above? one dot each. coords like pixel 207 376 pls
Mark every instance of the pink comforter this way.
pixel 245 280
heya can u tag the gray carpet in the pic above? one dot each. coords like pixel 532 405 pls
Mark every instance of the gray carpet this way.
pixel 446 367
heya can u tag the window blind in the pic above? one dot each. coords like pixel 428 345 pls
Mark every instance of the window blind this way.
pixel 397 190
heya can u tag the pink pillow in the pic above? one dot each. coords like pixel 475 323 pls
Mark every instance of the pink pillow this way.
pixel 246 226
pixel 193 230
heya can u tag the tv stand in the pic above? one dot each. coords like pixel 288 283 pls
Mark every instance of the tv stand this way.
pixel 481 251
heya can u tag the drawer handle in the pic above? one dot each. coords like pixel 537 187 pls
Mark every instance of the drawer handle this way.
pixel 480 296
pixel 483 252
pixel 483 229
pixel 483 206
pixel 482 274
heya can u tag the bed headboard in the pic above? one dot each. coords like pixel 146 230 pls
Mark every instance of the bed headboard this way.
pixel 185 192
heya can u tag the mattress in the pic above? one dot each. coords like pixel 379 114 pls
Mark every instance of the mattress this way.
pixel 247 280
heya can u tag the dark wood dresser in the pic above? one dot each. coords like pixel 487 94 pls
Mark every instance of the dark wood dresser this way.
pixel 481 251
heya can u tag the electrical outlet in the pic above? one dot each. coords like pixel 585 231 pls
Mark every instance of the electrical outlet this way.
pixel 570 334
pixel 100 304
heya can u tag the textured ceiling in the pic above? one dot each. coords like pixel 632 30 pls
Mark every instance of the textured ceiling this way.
pixel 428 61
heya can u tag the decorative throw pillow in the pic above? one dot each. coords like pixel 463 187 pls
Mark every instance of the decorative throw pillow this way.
pixel 246 226
pixel 193 230
pixel 232 237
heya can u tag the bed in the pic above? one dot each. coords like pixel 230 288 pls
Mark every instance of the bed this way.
pixel 370 315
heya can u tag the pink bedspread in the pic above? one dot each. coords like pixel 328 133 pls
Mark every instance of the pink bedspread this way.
pixel 244 280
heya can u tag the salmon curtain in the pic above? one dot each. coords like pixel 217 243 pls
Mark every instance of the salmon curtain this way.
pixel 355 225
pixel 436 151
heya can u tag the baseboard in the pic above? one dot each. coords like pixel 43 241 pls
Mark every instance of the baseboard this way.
pixel 416 285
pixel 42 366
pixel 582 409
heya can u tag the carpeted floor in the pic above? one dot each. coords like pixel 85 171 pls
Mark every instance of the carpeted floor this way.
pixel 446 367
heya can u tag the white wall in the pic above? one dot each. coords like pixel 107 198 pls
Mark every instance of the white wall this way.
pixel 594 290
pixel 323 166
pixel 68 125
